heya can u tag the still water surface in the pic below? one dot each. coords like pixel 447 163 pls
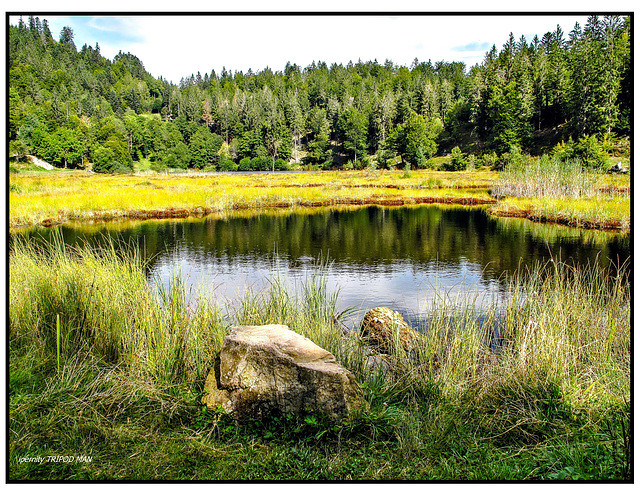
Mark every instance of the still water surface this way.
pixel 401 257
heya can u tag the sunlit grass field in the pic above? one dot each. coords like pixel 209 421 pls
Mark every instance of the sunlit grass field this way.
pixel 599 212
pixel 37 198
pixel 549 190
pixel 56 197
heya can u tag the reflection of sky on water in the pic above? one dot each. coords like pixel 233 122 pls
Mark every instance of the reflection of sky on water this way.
pixel 401 285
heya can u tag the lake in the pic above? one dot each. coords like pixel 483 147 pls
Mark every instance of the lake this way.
pixel 400 257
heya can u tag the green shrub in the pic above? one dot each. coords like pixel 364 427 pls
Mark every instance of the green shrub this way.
pixel 588 150
pixel 427 164
pixel 245 165
pixel 562 149
pixel 616 147
pixel 393 162
pixel 471 162
pixel 431 164
pixel 513 157
pixel 358 164
pixel 456 162
pixel 227 165
pixel 281 164
pixel 159 167
pixel 257 164
pixel 327 165
pixel 489 160
pixel 120 169
pixel 104 160
pixel 18 151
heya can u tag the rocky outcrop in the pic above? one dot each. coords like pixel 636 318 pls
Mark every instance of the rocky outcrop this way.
pixel 385 330
pixel 40 163
pixel 263 370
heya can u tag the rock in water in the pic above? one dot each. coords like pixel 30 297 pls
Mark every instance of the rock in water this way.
pixel 271 369
pixel 385 329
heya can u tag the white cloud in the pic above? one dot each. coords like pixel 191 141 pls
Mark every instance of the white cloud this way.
pixel 184 45
pixel 175 46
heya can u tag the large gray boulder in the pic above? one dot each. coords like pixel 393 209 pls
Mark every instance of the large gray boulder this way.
pixel 271 369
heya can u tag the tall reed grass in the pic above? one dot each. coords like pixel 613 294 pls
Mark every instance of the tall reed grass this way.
pixel 478 387
pixel 547 177
pixel 100 302
pixel 561 324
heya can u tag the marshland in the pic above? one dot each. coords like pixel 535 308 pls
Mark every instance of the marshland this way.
pixel 494 218
pixel 524 357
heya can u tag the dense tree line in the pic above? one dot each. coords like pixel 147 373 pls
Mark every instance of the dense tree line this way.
pixel 71 106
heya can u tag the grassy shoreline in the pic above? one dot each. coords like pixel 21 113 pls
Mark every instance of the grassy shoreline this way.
pixel 101 366
pixel 78 196
pixel 547 189
pixel 38 199
pixel 596 213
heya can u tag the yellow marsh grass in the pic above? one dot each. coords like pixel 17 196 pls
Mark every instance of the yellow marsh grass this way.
pixel 62 196
pixel 600 212
pixel 35 199
pixel 547 189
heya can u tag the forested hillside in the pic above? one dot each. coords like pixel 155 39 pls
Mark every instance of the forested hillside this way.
pixel 75 108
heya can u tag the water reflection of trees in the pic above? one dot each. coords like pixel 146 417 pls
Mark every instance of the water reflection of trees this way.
pixel 368 237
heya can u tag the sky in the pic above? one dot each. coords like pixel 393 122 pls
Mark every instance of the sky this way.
pixel 177 45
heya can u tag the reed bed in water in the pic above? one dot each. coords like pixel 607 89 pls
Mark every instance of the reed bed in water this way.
pixel 524 389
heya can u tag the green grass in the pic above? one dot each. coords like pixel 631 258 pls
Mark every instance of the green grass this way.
pixel 546 398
